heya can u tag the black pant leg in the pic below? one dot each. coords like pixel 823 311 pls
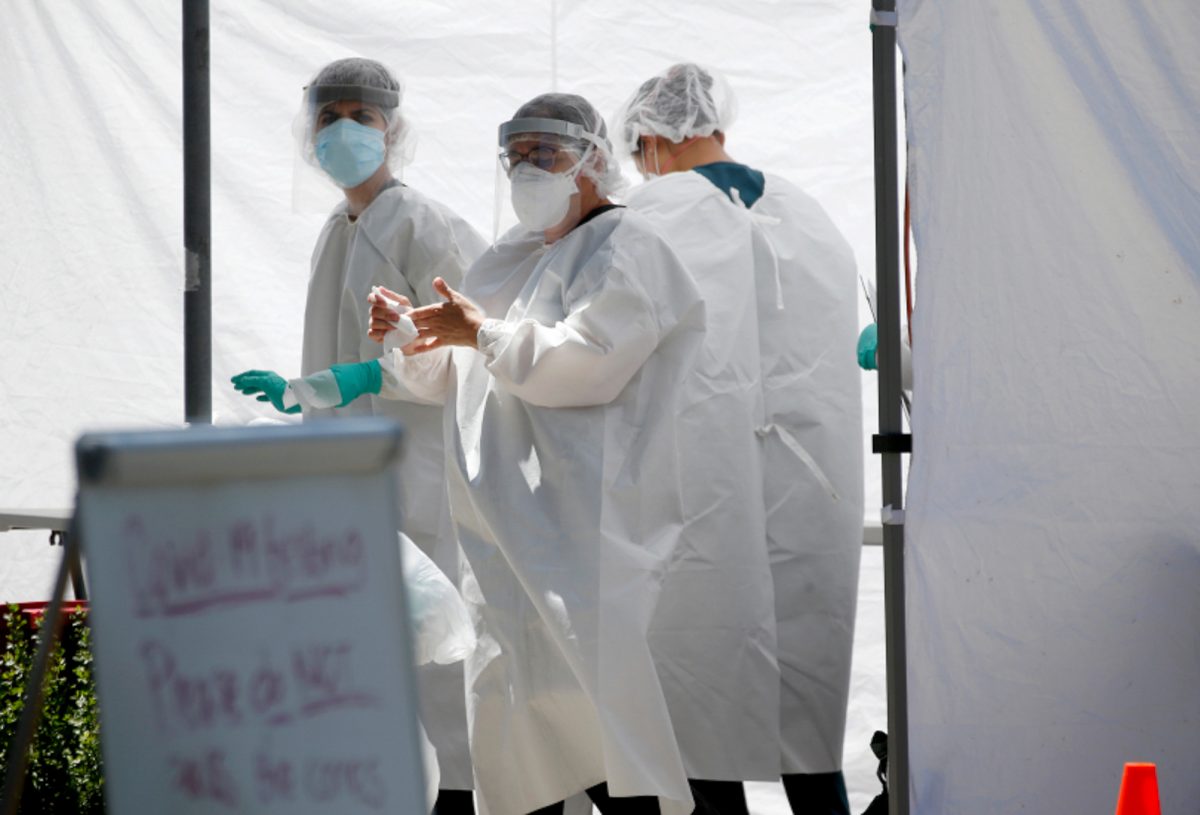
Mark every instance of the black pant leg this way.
pixel 817 793
pixel 553 809
pixel 711 797
pixel 719 797
pixel 454 802
pixel 633 805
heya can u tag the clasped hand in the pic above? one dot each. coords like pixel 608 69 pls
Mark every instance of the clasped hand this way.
pixel 454 322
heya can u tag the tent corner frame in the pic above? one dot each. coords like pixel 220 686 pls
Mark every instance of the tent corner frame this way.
pixel 887 276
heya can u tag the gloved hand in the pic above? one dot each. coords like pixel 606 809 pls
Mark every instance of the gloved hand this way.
pixel 868 343
pixel 356 378
pixel 395 334
pixel 268 384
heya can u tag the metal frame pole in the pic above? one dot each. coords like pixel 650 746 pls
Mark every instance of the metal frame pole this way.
pixel 891 428
pixel 197 216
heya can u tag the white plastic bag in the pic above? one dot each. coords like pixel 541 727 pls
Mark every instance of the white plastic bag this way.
pixel 433 773
pixel 442 628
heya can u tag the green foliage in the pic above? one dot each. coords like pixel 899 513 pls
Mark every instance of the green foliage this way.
pixel 65 775
pixel 14 674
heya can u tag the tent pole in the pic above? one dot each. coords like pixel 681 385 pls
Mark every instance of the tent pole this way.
pixel 197 217
pixel 890 440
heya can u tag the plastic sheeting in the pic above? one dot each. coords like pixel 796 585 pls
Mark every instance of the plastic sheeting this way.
pixel 91 272
pixel 1054 523
pixel 92 165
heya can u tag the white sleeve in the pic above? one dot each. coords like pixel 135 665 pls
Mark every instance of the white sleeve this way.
pixel 588 357
pixel 423 378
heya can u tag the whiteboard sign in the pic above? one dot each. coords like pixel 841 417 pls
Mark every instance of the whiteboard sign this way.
pixel 251 642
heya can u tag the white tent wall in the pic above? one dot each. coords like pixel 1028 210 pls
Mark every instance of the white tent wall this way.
pixel 1053 567
pixel 91 275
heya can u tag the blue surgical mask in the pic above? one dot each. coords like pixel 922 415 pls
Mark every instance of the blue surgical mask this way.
pixel 349 152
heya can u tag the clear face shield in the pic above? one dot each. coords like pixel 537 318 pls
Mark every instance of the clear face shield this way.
pixel 344 134
pixel 537 174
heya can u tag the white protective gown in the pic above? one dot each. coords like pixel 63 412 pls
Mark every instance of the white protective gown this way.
pixel 403 240
pixel 813 456
pixel 565 488
pixel 713 635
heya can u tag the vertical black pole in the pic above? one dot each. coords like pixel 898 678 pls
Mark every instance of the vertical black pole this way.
pixel 197 218
pixel 887 286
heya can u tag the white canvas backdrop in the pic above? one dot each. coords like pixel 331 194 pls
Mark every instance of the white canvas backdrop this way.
pixel 91 274
pixel 1053 571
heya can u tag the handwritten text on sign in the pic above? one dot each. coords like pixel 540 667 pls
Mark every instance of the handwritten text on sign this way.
pixel 241 566
pixel 244 561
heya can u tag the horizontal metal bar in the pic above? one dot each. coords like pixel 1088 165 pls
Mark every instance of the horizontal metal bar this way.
pixel 884 18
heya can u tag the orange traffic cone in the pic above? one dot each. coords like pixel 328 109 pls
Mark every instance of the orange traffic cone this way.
pixel 1139 790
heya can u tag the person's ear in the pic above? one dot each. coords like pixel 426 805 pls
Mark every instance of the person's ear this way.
pixel 664 154
pixel 392 133
pixel 593 162
pixel 586 182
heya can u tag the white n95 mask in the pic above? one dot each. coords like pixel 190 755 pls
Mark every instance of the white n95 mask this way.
pixel 541 198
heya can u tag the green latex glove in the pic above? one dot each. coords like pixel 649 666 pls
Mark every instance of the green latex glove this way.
pixel 357 378
pixel 868 342
pixel 267 384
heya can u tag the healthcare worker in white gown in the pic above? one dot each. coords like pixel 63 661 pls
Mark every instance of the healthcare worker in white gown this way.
pixel 713 635
pixel 383 233
pixel 810 428
pixel 561 362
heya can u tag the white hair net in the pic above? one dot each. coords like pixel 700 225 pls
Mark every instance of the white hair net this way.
pixel 362 80
pixel 683 102
pixel 603 169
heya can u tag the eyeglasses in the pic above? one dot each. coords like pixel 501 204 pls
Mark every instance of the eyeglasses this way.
pixel 542 157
